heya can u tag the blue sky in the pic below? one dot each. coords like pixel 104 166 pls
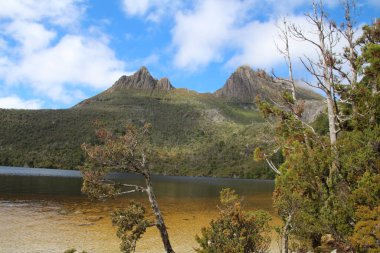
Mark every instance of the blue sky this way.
pixel 55 53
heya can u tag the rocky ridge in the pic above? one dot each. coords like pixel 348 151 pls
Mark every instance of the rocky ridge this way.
pixel 245 84
pixel 142 80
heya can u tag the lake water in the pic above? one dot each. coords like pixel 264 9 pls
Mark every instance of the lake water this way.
pixel 43 210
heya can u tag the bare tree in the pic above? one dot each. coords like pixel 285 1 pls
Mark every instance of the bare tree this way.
pixel 349 58
pixel 323 69
pixel 285 51
pixel 347 30
pixel 123 153
pixel 294 105
pixel 329 72
pixel 328 69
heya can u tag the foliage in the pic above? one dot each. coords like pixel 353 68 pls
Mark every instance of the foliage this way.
pixel 131 224
pixel 366 236
pixel 332 189
pixel 121 153
pixel 126 152
pixel 321 124
pixel 194 134
pixel 368 93
pixel 235 230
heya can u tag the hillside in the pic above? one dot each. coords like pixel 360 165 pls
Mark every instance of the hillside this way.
pixel 193 133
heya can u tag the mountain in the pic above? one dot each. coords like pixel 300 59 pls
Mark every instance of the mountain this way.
pixel 245 84
pixel 193 133
pixel 143 80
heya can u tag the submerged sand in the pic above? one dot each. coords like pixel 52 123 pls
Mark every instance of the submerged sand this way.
pixel 45 224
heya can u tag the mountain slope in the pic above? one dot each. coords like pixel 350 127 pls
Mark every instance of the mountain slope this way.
pixel 193 134
pixel 245 84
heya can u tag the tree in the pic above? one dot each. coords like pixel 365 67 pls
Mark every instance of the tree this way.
pixel 235 230
pixel 123 153
pixel 369 67
pixel 326 182
pixel 323 68
pixel 299 192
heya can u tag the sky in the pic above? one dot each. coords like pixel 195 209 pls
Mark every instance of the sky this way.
pixel 55 53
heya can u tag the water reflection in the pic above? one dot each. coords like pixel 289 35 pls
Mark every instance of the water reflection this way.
pixel 48 213
pixel 64 182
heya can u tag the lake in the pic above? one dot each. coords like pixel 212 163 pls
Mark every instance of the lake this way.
pixel 43 210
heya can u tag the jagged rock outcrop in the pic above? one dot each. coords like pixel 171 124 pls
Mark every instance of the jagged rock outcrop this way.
pixel 141 80
pixel 245 84
pixel 164 84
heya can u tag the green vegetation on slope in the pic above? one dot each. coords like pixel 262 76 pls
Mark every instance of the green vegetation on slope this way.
pixel 193 134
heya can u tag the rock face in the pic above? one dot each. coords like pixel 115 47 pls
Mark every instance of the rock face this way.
pixel 245 84
pixel 141 80
pixel 164 84
pixel 313 108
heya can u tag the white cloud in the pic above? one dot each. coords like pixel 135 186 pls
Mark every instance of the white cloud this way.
pixel 3 44
pixel 53 63
pixel 152 10
pixel 225 30
pixel 78 60
pixel 149 60
pixel 30 35
pixel 61 12
pixel 133 7
pixel 201 35
pixel 257 44
pixel 14 102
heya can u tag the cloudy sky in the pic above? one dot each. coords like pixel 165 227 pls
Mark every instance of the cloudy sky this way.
pixel 55 53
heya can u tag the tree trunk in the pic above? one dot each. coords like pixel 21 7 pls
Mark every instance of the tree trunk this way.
pixel 285 233
pixel 286 243
pixel 160 224
pixel 332 119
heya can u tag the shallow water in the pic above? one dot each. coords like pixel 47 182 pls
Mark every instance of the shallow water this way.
pixel 44 211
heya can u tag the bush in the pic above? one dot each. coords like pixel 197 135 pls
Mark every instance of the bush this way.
pixel 235 230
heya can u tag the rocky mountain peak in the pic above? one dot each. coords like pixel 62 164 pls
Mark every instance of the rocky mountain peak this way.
pixel 245 84
pixel 141 80
pixel 243 68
